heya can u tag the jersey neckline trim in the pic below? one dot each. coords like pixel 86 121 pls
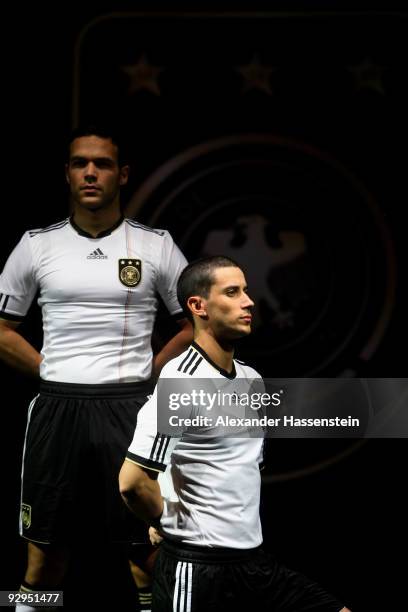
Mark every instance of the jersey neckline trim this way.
pixel 230 375
pixel 106 232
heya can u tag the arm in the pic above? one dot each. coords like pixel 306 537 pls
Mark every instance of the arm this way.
pixel 172 263
pixel 154 536
pixel 18 286
pixel 148 455
pixel 174 347
pixel 16 352
pixel 140 491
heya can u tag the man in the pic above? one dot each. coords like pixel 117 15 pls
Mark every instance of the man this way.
pixel 98 276
pixel 210 559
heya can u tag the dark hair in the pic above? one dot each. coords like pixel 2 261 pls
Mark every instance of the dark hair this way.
pixel 102 131
pixel 198 277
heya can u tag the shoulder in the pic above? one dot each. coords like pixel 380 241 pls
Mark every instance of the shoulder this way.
pixel 244 370
pixel 135 225
pixel 182 366
pixel 55 227
pixel 32 237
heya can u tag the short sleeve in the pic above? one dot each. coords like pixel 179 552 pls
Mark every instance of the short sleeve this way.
pixel 17 282
pixel 172 263
pixel 149 448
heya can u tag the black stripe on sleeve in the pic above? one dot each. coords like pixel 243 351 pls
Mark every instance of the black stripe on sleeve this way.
pixel 185 359
pixel 11 317
pixel 197 363
pixel 157 438
pixel 4 314
pixel 144 227
pixel 50 228
pixel 165 447
pixel 164 442
pixel 195 356
pixel 146 463
pixel 5 303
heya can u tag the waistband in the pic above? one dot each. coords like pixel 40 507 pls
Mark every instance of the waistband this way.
pixel 205 554
pixel 121 390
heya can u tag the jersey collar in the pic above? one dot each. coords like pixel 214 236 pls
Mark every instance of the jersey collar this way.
pixel 231 374
pixel 106 232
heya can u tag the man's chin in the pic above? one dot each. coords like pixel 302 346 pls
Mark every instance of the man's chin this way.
pixel 241 332
pixel 91 203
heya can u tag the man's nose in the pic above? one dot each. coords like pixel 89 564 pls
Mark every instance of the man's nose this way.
pixel 248 303
pixel 90 171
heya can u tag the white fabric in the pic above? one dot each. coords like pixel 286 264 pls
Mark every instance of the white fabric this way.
pixel 96 329
pixel 211 487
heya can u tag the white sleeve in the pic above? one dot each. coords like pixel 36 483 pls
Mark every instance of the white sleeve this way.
pixel 172 263
pixel 149 448
pixel 18 285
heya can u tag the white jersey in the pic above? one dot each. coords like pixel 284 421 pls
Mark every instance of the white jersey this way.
pixel 211 488
pixel 98 297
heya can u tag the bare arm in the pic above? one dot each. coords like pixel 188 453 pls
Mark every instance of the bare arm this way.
pixel 174 347
pixel 16 352
pixel 140 491
pixel 154 536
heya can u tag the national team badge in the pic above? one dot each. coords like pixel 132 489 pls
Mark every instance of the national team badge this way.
pixel 26 515
pixel 130 272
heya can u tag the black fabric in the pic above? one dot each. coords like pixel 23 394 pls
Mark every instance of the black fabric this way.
pixel 205 554
pixel 231 375
pixel 136 390
pixel 257 583
pixel 105 232
pixel 10 317
pixel 75 447
pixel 146 463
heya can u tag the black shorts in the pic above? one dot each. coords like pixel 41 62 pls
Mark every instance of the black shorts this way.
pixel 76 441
pixel 226 580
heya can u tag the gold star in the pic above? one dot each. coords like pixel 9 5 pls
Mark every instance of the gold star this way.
pixel 256 76
pixel 368 75
pixel 143 76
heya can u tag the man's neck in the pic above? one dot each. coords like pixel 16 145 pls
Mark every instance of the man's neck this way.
pixel 221 353
pixel 96 221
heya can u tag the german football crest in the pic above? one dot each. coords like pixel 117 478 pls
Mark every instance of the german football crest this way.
pixel 130 272
pixel 26 515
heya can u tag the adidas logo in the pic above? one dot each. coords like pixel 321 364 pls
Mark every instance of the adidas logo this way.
pixel 97 254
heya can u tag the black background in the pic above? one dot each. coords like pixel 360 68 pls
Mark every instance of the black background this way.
pixel 344 525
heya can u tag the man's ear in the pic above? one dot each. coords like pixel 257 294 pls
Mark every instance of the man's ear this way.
pixel 197 306
pixel 67 173
pixel 123 175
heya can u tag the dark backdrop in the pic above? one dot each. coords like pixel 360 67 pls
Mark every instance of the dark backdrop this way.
pixel 292 128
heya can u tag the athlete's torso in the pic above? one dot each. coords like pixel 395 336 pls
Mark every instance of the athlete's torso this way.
pixel 98 298
pixel 211 487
